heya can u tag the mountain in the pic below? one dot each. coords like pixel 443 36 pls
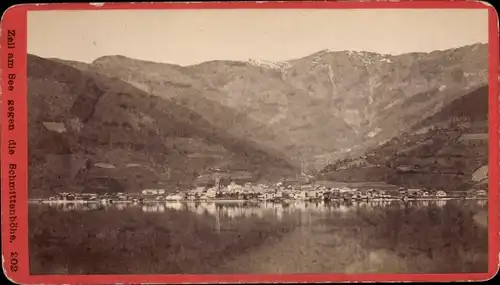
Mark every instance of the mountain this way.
pixel 86 129
pixel 317 109
pixel 167 81
pixel 448 150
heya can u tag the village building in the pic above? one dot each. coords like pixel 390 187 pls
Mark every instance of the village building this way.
pixel 86 196
pixel 357 196
pixel 248 188
pixel 104 165
pixel 121 196
pixel 235 188
pixel 223 190
pixel 57 127
pixel 414 192
pixel 306 187
pixel 66 196
pixel 196 193
pixel 259 189
pixel 312 194
pixel 346 190
pixel 287 192
pixel 267 196
pixel 199 190
pixel 149 192
pixel 211 193
pixel 299 195
pixel 441 194
pixel 335 191
pixel 217 183
pixel 371 194
pixel 203 196
pixel 481 193
pixel 174 197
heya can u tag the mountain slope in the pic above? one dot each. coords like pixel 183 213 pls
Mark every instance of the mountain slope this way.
pixel 445 150
pixel 84 125
pixel 318 108
pixel 172 82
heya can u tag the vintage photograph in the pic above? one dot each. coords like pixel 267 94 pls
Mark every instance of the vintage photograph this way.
pixel 258 141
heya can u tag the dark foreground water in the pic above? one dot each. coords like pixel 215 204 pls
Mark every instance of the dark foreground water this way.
pixel 162 238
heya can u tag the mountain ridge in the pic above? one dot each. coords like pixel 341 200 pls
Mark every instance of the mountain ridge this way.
pixel 323 105
pixel 326 50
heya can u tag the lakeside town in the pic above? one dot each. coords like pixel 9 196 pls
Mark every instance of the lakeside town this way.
pixel 279 192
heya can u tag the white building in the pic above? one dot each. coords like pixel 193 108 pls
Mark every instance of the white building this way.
pixel 441 194
pixel 174 197
pixel 259 189
pixel 248 187
pixel 55 127
pixel 211 193
pixel 481 193
pixel 299 195
pixel 149 192
pixel 312 194
pixel 234 188
pixel 199 190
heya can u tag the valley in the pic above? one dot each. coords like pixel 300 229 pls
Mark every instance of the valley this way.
pixel 410 120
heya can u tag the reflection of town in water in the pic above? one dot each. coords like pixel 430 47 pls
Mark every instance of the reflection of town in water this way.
pixel 248 209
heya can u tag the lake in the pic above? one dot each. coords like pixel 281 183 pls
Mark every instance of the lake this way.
pixel 242 237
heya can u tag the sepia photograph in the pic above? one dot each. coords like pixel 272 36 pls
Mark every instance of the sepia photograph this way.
pixel 257 141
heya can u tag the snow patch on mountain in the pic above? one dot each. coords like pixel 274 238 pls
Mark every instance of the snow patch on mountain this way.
pixel 366 57
pixel 393 103
pixel 277 65
pixel 374 132
pixel 331 77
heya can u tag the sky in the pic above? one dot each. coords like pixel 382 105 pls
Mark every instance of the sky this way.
pixel 187 37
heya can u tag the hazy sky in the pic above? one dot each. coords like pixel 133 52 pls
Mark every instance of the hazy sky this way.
pixel 192 36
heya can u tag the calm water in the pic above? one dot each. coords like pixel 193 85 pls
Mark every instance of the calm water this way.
pixel 173 237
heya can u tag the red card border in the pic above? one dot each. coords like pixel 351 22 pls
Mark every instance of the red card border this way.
pixel 15 19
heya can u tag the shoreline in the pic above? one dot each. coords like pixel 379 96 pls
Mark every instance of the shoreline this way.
pixel 45 201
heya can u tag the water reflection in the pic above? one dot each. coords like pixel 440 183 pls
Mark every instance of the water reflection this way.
pixel 258 237
pixel 246 209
